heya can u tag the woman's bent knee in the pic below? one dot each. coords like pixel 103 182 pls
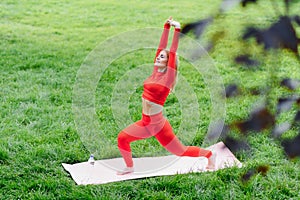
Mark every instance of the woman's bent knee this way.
pixel 122 138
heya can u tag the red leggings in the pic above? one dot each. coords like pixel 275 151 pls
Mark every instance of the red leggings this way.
pixel 159 127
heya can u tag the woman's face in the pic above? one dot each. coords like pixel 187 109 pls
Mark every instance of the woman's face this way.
pixel 162 59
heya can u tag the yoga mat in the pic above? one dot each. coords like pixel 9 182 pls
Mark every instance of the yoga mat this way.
pixel 105 171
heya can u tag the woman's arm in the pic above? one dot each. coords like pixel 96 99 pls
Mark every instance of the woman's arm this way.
pixel 173 48
pixel 164 39
pixel 172 68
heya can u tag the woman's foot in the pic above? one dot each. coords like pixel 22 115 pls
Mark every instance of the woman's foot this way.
pixel 126 170
pixel 212 161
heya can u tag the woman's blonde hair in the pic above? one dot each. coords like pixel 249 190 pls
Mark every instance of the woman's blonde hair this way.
pixel 176 66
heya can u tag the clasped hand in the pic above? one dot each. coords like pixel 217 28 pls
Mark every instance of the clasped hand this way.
pixel 173 23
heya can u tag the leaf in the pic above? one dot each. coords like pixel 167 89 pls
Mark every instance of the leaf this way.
pixel 245 60
pixel 262 169
pixel 245 2
pixel 236 145
pixel 197 27
pixel 231 90
pixel 247 176
pixel 259 120
pixel 251 32
pixel 297 117
pixel 292 147
pixel 285 104
pixel 280 34
pixel 291 84
pixel 296 18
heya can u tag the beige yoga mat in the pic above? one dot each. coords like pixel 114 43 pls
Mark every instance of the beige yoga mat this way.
pixel 105 171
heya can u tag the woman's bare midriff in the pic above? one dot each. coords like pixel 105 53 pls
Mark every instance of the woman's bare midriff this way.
pixel 151 108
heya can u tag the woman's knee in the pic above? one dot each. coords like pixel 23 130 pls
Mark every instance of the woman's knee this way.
pixel 122 138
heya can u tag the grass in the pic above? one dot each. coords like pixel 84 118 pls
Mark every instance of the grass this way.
pixel 42 48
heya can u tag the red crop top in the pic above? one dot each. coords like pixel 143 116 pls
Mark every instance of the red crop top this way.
pixel 157 86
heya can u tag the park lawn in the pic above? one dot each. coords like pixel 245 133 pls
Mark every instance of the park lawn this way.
pixel 42 48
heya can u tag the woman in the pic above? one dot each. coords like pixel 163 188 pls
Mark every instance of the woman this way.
pixel 156 91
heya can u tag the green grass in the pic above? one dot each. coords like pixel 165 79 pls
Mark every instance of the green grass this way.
pixel 43 46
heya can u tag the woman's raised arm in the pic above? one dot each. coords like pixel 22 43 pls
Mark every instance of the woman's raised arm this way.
pixel 172 70
pixel 174 46
pixel 164 37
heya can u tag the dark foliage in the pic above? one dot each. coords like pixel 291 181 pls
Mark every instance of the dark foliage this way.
pixel 292 147
pixel 245 2
pixel 281 34
pixel 246 60
pixel 297 117
pixel 261 169
pixel 291 84
pixel 236 145
pixel 285 104
pixel 197 27
pixel 247 176
pixel 296 18
pixel 259 120
pixel 231 90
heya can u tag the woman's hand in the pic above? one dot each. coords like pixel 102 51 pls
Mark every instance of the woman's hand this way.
pixel 169 21
pixel 175 24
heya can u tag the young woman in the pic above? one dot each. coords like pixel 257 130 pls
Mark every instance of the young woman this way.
pixel 156 90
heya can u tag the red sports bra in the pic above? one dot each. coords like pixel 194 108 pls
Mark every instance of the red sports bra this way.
pixel 157 86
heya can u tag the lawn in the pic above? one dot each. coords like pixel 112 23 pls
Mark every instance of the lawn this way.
pixel 44 46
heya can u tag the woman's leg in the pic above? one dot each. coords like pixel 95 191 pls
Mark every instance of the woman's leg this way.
pixel 169 141
pixel 136 131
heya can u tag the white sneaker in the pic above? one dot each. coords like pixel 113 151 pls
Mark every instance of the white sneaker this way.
pixel 212 161
pixel 126 170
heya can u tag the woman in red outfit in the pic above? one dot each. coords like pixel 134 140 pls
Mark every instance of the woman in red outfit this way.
pixel 156 90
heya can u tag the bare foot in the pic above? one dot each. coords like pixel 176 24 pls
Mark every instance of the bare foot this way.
pixel 212 161
pixel 126 170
